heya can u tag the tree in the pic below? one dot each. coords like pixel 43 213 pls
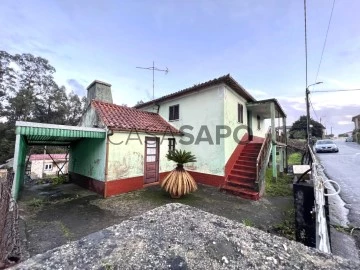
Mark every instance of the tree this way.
pixel 7 77
pixel 299 129
pixel 75 108
pixel 28 92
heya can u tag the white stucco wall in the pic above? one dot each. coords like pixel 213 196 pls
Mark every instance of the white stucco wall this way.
pixel 264 126
pixel 231 101
pixel 38 165
pixel 203 108
pixel 126 160
pixel 211 107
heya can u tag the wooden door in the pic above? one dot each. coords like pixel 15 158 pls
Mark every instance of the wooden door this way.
pixel 151 168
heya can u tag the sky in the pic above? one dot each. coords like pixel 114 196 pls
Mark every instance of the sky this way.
pixel 259 42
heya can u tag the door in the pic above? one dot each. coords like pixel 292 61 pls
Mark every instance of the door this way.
pixel 151 168
pixel 249 122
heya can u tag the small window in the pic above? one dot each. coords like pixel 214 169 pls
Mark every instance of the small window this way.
pixel 240 113
pixel 48 167
pixel 258 122
pixel 174 112
pixel 172 143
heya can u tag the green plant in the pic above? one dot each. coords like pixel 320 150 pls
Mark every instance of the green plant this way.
pixel 248 222
pixel 179 182
pixel 287 227
pixel 36 202
pixel 59 180
pixel 65 230
pixel 180 156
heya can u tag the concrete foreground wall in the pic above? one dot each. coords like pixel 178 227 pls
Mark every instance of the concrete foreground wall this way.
pixel 176 236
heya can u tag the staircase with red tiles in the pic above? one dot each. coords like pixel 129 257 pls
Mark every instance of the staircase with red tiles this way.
pixel 241 179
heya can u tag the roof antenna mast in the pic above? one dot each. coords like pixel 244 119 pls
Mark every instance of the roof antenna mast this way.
pixel 153 68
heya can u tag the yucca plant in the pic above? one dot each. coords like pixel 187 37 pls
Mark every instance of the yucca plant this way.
pixel 179 182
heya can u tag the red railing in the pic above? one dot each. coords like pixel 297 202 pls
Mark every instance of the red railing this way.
pixel 261 159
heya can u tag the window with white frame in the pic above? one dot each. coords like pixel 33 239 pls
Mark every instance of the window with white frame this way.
pixel 48 167
pixel 240 113
pixel 172 143
pixel 174 112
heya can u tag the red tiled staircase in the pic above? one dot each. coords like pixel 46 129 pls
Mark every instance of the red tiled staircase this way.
pixel 241 179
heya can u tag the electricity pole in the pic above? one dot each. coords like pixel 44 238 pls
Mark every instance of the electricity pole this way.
pixel 308 111
pixel 153 68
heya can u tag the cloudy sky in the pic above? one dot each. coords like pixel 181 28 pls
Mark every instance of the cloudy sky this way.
pixel 259 42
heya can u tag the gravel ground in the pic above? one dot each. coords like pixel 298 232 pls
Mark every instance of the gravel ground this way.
pixel 55 215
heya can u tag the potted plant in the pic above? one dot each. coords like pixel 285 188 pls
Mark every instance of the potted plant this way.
pixel 179 182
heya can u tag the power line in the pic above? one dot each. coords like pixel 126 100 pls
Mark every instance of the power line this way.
pixel 313 109
pixel 340 90
pixel 323 49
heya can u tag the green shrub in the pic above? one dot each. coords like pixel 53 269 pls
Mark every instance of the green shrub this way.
pixel 59 180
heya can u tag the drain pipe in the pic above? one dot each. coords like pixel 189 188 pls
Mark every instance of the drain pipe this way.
pixel 109 133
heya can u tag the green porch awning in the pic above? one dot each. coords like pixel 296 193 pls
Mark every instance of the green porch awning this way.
pixel 29 133
pixel 48 134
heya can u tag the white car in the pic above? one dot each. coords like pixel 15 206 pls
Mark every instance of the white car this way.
pixel 349 139
pixel 325 146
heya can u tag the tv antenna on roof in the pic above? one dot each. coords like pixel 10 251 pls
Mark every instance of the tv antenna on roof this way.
pixel 153 68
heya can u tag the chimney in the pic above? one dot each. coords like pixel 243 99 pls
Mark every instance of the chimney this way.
pixel 99 91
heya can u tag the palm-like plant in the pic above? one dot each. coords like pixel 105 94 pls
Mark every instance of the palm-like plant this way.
pixel 179 182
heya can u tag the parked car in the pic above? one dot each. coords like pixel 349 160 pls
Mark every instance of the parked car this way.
pixel 349 139
pixel 325 146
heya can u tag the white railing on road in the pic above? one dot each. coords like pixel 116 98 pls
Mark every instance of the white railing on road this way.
pixel 317 175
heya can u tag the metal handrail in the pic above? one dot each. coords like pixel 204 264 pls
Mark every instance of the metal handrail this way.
pixel 265 142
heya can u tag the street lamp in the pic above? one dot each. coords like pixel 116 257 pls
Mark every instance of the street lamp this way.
pixel 308 111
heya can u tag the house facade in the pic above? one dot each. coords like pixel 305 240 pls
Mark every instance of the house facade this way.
pixel 44 165
pixel 218 121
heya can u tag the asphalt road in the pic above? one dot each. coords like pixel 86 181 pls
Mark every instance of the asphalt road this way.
pixel 344 168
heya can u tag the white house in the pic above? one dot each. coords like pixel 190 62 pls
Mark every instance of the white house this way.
pixel 218 121
pixel 45 165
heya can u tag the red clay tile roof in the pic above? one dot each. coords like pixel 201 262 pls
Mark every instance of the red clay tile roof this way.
pixel 47 157
pixel 125 118
pixel 226 79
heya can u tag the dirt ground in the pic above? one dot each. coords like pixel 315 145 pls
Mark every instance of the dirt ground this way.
pixel 53 215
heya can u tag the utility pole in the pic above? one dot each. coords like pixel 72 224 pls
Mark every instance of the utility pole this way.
pixel 153 68
pixel 307 115
pixel 307 93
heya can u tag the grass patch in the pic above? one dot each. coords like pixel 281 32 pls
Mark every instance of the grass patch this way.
pixel 248 222
pixel 36 203
pixel 294 159
pixel 279 187
pixel 287 227
pixel 65 230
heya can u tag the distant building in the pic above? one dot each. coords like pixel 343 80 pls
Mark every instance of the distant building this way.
pixel 42 165
pixel 356 120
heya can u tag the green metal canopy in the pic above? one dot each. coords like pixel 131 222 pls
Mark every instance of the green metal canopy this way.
pixel 29 133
